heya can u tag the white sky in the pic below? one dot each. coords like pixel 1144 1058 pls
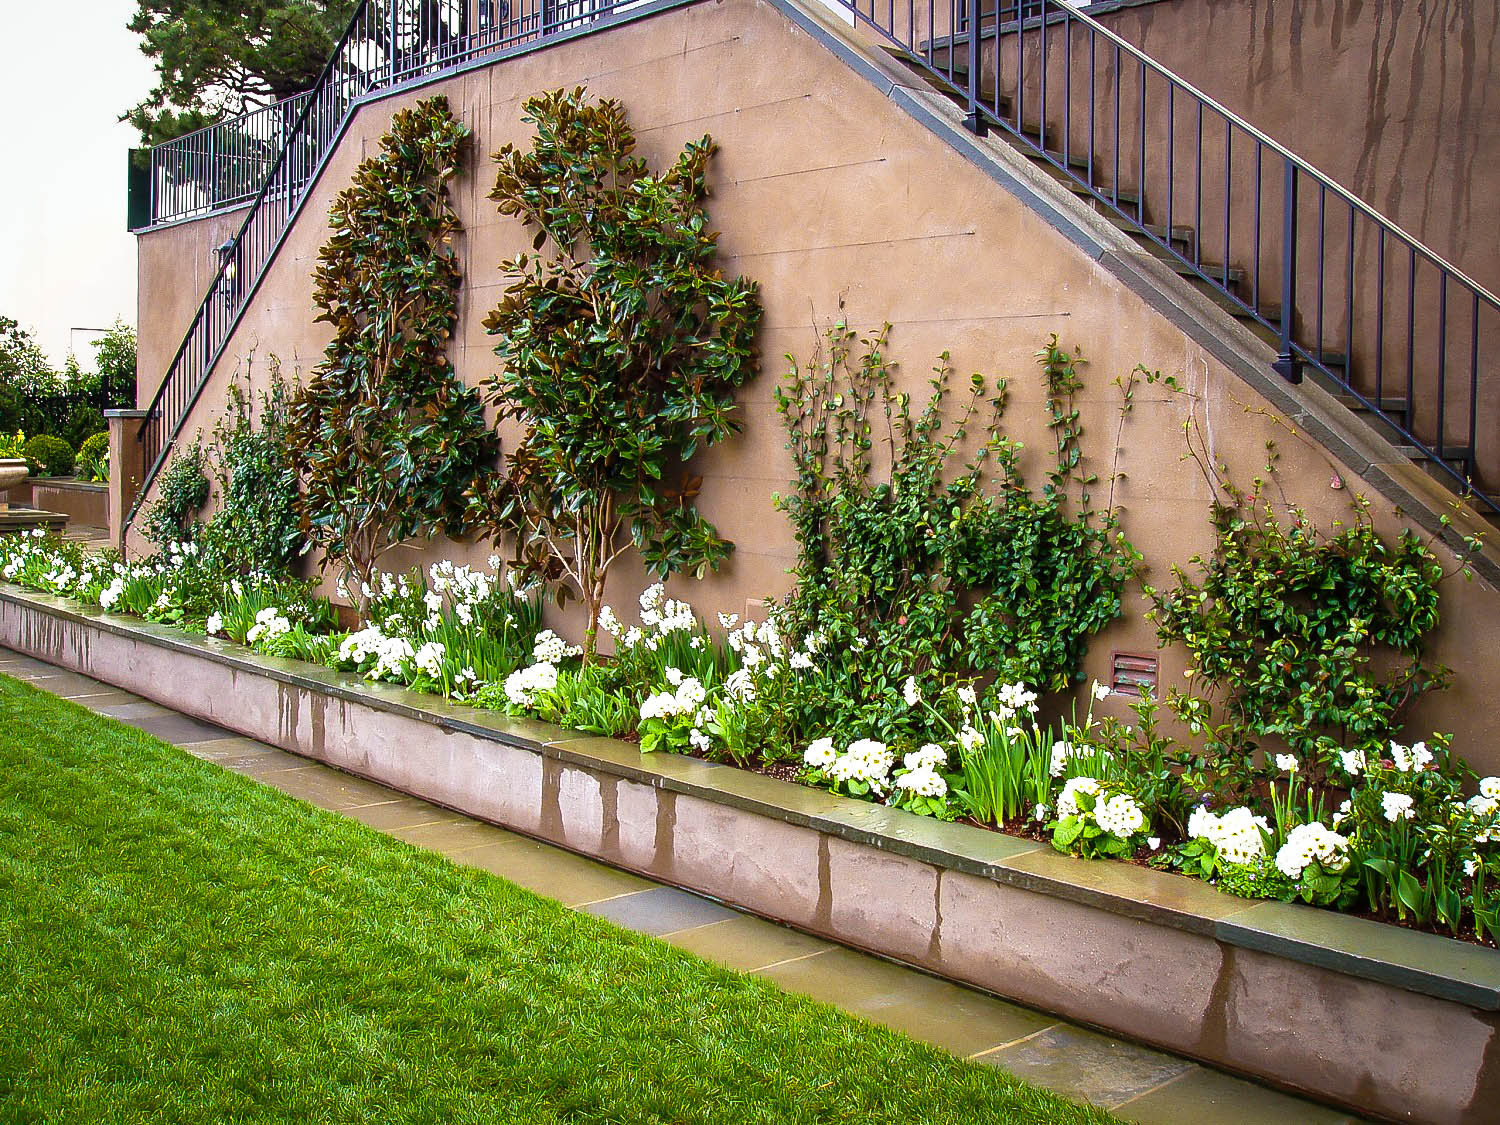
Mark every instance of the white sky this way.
pixel 66 261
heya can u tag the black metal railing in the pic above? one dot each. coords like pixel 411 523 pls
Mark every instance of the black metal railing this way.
pixel 1399 333
pixel 223 165
pixel 387 42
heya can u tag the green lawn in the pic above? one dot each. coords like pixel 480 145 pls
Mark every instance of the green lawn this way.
pixel 179 943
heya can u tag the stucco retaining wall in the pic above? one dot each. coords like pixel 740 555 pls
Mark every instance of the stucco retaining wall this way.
pixel 1381 1020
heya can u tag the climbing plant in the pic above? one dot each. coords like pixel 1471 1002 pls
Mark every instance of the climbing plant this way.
pixel 928 564
pixel 1301 636
pixel 621 347
pixel 387 439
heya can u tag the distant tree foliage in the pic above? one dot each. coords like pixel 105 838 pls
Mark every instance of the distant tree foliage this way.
pixel 215 59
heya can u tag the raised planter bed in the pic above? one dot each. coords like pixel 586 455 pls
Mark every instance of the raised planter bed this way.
pixel 1379 1019
pixel 83 502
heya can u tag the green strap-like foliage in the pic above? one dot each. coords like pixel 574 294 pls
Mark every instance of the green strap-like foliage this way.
pixel 621 346
pixel 389 441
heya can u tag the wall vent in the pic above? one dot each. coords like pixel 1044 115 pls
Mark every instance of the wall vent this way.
pixel 1131 672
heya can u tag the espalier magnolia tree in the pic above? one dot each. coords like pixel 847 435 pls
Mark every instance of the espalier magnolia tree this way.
pixel 388 441
pixel 622 347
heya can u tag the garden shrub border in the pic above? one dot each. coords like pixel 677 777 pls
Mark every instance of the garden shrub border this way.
pixel 1369 1016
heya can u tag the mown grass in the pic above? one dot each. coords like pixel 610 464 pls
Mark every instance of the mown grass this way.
pixel 180 943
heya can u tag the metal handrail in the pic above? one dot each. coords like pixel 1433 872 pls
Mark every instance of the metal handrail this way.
pixel 221 165
pixel 1399 331
pixel 386 42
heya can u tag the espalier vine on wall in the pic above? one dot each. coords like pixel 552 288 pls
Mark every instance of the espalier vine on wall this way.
pixel 1300 637
pixel 621 348
pixel 934 567
pixel 388 440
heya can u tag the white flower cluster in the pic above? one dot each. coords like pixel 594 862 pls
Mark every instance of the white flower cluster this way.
pixel 864 760
pixel 686 697
pixel 270 623
pixel 1397 806
pixel 1067 800
pixel 1121 816
pixel 921 774
pixel 665 615
pixel 391 655
pixel 1236 835
pixel 1353 762
pixel 1012 700
pixel 549 648
pixel 429 659
pixel 1487 800
pixel 1411 759
pixel 524 684
pixel 1309 843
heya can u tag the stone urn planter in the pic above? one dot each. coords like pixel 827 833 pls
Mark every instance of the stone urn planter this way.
pixel 13 470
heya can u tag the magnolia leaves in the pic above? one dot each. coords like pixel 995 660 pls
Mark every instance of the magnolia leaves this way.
pixel 389 442
pixel 621 348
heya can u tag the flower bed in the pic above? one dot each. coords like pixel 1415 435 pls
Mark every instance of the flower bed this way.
pixel 1406 843
pixel 1381 1019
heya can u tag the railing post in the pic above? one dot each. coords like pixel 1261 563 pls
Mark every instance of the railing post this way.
pixel 1287 365
pixel 974 120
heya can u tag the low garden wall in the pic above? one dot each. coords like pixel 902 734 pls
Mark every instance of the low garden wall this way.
pixel 1382 1020
pixel 82 502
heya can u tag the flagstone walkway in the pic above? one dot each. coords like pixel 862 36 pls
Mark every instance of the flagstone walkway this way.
pixel 1135 1082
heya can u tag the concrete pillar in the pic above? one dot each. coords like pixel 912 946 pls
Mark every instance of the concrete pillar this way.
pixel 127 468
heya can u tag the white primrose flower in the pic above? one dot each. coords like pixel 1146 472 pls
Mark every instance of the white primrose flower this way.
pixel 1490 788
pixel 1061 752
pixel 1121 816
pixel 1411 759
pixel 699 740
pixel 820 754
pixel 910 692
pixel 929 756
pixel 1307 843
pixel 524 684
pixel 1480 805
pixel 1153 842
pixel 1067 800
pixel 1040 814
pixel 1287 763
pixel 674 677
pixel 214 624
pixel 269 624
pixel 549 648
pixel 1396 806
pixel 1236 835
pixel 924 782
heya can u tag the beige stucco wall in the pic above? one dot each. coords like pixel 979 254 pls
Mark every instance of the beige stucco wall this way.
pixel 1396 101
pixel 841 205
pixel 174 266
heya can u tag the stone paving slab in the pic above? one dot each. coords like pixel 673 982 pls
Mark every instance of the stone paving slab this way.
pixel 660 911
pixel 959 1019
pixel 1143 1085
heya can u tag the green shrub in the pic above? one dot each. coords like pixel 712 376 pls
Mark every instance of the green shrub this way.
pixel 256 525
pixel 92 463
pixel 13 445
pixel 182 491
pixel 53 454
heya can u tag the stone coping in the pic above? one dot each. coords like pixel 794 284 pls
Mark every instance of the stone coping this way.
pixel 70 484
pixel 1424 963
